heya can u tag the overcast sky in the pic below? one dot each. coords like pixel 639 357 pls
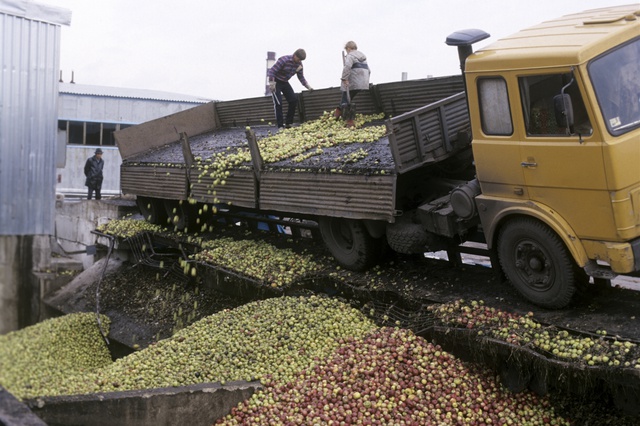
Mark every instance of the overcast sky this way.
pixel 218 49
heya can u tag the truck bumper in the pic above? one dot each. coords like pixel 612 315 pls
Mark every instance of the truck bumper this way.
pixel 624 258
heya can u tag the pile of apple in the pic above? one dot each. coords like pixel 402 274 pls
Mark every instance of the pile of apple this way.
pixel 257 260
pixel 312 137
pixel 523 330
pixel 321 362
pixel 127 227
pixel 35 359
pixel 277 337
pixel 391 377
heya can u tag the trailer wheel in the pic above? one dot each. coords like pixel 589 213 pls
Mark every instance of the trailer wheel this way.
pixel 152 210
pixel 179 215
pixel 537 263
pixel 349 242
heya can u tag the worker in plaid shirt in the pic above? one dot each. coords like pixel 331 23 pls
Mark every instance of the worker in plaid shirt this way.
pixel 279 75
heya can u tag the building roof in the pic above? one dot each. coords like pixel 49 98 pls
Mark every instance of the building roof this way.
pixel 122 92
pixel 566 41
pixel 35 11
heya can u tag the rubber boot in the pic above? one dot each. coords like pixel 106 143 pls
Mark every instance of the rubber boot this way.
pixel 337 113
pixel 349 114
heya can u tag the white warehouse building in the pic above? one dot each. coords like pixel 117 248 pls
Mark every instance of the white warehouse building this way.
pixel 87 117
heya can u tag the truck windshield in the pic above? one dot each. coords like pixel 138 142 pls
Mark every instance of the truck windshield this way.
pixel 616 79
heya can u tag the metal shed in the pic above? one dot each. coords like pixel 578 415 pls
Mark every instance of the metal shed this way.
pixel 29 63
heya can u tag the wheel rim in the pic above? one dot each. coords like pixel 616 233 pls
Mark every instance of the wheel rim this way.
pixel 534 266
pixel 342 235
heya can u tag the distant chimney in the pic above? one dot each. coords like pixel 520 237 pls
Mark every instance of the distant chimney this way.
pixel 72 82
pixel 404 76
pixel 60 81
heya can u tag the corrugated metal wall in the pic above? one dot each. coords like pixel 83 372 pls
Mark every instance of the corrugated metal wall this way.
pixel 28 89
pixel 29 64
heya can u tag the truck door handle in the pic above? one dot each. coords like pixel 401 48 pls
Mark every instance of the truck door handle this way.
pixel 529 164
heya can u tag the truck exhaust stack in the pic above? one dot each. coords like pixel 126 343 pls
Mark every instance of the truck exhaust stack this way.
pixel 464 39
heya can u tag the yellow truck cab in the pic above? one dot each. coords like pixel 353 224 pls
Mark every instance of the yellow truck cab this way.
pixel 555 116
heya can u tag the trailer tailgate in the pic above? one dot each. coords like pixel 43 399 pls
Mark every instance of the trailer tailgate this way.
pixel 429 134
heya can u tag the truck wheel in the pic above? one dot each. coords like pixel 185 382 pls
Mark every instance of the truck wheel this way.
pixel 152 210
pixel 349 242
pixel 407 237
pixel 537 263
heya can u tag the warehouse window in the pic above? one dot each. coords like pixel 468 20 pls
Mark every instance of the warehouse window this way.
pixel 495 113
pixel 107 133
pixel 76 133
pixel 92 133
pixel 86 133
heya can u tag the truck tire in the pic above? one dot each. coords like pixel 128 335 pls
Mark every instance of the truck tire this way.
pixel 407 238
pixel 349 243
pixel 152 210
pixel 537 263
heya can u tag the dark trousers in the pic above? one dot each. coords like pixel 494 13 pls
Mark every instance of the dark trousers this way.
pixel 352 94
pixel 284 88
pixel 96 189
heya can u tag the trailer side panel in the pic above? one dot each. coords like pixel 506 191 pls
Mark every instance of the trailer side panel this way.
pixel 324 194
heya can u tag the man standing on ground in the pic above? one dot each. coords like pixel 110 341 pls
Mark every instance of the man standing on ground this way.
pixel 93 172
pixel 279 75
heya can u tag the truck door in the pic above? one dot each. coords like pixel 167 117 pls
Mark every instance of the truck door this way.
pixel 563 164
pixel 497 157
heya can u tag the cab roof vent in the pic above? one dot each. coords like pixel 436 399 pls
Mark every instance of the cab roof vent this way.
pixel 611 17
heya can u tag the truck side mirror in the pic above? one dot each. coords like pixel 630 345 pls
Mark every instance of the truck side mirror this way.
pixel 563 109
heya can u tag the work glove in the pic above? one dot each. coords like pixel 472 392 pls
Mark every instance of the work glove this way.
pixel 272 86
pixel 309 88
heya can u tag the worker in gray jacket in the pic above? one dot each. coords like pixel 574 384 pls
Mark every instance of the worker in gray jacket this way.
pixel 354 79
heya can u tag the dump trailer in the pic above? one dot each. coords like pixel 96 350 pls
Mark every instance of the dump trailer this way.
pixel 538 156
pixel 351 199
